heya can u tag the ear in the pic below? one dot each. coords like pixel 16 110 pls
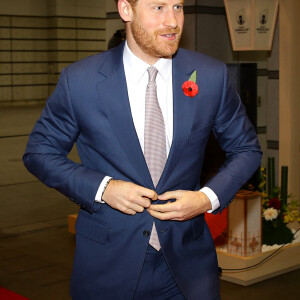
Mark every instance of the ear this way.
pixel 125 10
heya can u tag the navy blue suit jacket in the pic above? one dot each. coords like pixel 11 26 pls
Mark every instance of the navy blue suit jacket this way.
pixel 90 106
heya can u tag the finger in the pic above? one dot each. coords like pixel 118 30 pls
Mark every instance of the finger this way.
pixel 135 207
pixel 163 216
pixel 129 212
pixel 168 207
pixel 135 198
pixel 144 202
pixel 147 193
pixel 169 195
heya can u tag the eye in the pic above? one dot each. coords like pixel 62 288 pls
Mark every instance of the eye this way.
pixel 158 7
pixel 178 7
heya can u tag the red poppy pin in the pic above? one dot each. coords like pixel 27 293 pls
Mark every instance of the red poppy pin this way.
pixel 190 88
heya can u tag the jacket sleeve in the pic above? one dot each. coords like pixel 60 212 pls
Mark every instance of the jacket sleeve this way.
pixel 51 140
pixel 238 139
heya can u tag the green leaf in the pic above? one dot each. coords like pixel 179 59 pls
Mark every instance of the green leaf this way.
pixel 276 233
pixel 193 76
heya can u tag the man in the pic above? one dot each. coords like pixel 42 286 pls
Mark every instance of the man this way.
pixel 118 37
pixel 141 232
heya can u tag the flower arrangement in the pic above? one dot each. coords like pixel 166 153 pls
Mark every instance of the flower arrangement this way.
pixel 277 212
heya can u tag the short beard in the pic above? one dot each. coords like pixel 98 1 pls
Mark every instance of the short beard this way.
pixel 148 43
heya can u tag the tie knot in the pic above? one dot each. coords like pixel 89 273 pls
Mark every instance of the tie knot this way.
pixel 152 71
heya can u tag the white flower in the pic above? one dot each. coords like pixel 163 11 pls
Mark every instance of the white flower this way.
pixel 270 214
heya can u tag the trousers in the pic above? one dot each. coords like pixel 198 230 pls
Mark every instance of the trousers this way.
pixel 156 281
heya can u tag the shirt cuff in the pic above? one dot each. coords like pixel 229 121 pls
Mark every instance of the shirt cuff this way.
pixel 101 189
pixel 212 197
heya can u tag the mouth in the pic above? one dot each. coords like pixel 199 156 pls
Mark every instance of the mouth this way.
pixel 170 36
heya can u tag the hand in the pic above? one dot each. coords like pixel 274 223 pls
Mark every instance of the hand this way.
pixel 188 205
pixel 128 197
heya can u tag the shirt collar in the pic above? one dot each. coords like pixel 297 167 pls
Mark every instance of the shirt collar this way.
pixel 136 67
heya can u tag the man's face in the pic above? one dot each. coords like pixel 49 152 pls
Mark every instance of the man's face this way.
pixel 156 27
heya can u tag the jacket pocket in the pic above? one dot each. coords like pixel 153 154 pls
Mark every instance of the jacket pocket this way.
pixel 199 134
pixel 198 226
pixel 92 229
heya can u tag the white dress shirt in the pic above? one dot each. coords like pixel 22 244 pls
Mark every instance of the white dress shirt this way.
pixel 137 79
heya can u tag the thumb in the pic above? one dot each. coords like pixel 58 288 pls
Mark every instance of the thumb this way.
pixel 169 195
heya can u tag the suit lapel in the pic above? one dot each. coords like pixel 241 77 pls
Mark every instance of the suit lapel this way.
pixel 183 116
pixel 113 93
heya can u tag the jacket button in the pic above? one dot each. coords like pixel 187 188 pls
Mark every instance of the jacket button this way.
pixel 146 233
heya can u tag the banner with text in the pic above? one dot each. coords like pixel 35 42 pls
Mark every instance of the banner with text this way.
pixel 251 23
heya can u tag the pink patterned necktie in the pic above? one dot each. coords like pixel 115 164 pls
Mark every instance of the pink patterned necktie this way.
pixel 154 141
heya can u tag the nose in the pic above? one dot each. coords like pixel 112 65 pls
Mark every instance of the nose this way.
pixel 171 19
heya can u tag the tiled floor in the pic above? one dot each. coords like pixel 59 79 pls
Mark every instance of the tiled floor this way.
pixel 36 250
